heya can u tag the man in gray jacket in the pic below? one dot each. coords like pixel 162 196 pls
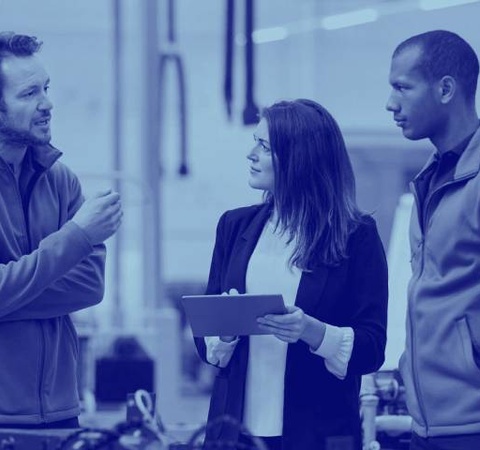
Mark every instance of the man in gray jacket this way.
pixel 434 78
pixel 52 254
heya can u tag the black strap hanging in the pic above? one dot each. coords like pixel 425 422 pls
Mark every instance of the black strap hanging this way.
pixel 173 58
pixel 229 48
pixel 250 111
pixel 172 36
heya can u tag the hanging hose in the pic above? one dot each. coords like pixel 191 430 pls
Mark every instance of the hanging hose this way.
pixel 229 51
pixel 174 58
pixel 250 111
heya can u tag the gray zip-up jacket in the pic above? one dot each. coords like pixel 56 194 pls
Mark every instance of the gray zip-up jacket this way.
pixel 48 269
pixel 441 375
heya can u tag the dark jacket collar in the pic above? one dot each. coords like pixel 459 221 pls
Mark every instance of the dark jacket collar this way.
pixel 254 229
pixel 44 155
pixel 247 241
pixel 37 158
pixel 468 164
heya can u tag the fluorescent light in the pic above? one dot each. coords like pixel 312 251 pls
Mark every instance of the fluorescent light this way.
pixel 428 5
pixel 350 19
pixel 269 35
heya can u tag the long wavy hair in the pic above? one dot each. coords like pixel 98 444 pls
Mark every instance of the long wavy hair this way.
pixel 314 193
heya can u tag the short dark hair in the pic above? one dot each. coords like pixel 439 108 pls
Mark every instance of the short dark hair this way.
pixel 445 53
pixel 12 44
pixel 314 182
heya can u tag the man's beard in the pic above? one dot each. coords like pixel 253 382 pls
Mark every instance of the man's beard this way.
pixel 15 137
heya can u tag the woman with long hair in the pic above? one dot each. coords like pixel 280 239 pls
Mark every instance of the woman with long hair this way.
pixel 297 387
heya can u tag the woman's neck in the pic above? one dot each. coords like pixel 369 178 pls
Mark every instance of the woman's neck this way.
pixel 274 215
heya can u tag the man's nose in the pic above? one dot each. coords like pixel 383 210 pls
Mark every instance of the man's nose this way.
pixel 45 103
pixel 392 105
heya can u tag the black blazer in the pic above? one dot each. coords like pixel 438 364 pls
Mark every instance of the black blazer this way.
pixel 317 405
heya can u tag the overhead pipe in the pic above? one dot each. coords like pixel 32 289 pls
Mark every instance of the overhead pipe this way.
pixel 151 212
pixel 118 307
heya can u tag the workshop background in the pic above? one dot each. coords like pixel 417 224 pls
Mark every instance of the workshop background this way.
pixel 156 98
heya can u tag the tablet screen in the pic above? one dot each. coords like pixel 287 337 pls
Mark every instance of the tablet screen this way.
pixel 230 315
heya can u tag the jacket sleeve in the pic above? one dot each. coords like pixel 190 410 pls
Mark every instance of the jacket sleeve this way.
pixel 214 278
pixel 64 274
pixel 24 280
pixel 369 288
pixel 81 287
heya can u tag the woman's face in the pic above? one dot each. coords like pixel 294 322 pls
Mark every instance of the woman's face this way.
pixel 262 175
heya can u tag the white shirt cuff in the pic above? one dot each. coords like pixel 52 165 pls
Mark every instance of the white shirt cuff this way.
pixel 336 348
pixel 219 352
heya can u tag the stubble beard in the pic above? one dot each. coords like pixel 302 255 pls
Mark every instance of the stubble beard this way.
pixel 14 137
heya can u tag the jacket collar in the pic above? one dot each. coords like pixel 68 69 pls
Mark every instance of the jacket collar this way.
pixel 37 158
pixel 468 164
pixel 44 155
pixel 243 251
pixel 254 229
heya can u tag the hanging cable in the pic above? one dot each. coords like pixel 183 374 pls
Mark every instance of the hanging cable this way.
pixel 172 36
pixel 174 59
pixel 250 111
pixel 229 51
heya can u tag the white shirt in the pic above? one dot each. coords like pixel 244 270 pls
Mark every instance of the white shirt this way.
pixel 268 273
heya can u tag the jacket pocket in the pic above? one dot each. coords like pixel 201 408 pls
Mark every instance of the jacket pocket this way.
pixel 467 344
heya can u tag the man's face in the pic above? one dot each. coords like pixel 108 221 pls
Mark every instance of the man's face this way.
pixel 25 106
pixel 416 107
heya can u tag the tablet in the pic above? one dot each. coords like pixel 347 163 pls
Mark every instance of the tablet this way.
pixel 230 315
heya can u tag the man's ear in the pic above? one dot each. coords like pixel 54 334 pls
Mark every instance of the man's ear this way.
pixel 447 88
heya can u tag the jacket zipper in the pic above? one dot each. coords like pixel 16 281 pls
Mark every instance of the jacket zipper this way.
pixel 25 204
pixel 423 226
pixel 41 370
pixel 413 341
pixel 429 198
